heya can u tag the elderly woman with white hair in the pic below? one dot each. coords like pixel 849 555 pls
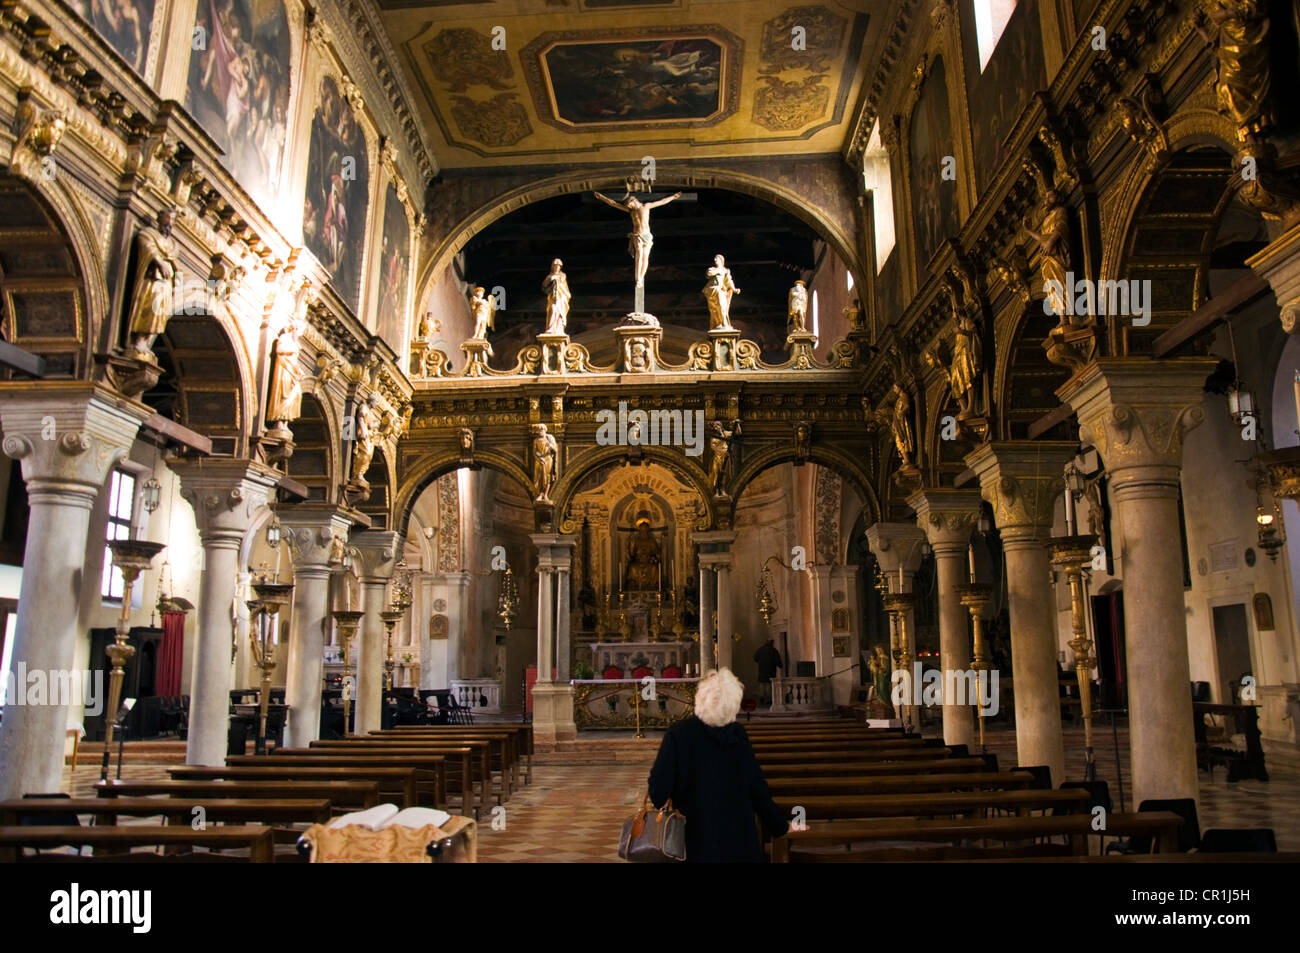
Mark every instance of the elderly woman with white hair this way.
pixel 708 769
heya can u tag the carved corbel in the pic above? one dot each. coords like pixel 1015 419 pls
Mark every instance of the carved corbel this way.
pixel 1137 116
pixel 465 436
pixel 38 134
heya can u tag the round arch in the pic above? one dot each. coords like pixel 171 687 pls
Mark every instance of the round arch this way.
pixel 420 478
pixel 316 441
pixel 52 250
pixel 567 183
pixel 673 460
pixel 834 459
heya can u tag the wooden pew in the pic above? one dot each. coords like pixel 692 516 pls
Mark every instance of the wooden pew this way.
pixel 344 796
pixel 842 741
pixel 495 761
pixel 858 765
pixel 1162 826
pixel 463 758
pixel 117 841
pixel 412 787
pixel 505 744
pixel 844 806
pixel 523 732
pixel 896 783
pixel 797 756
pixel 268 811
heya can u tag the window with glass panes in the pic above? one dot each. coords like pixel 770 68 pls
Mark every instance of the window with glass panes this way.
pixel 121 506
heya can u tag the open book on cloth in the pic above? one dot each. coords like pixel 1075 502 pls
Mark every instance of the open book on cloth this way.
pixel 385 834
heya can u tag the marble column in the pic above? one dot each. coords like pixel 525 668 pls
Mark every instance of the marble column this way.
pixel 948 517
pixel 563 650
pixel 715 595
pixel 310 530
pixel 1136 412
pixel 707 593
pixel 67 437
pixel 553 725
pixel 1022 480
pixel 378 550
pixel 226 496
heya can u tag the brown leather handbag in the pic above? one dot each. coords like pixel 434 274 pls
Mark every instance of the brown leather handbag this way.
pixel 653 836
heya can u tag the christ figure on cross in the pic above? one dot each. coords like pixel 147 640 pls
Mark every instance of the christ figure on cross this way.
pixel 639 239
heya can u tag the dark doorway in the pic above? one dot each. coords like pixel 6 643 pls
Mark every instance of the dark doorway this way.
pixel 1232 648
pixel 1108 633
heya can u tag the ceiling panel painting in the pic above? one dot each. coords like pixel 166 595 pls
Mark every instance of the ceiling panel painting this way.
pixel 611 80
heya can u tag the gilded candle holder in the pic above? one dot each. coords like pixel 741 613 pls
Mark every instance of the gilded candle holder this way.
pixel 898 604
pixel 390 618
pixel 975 596
pixel 131 557
pixel 1071 554
pixel 347 620
pixel 264 617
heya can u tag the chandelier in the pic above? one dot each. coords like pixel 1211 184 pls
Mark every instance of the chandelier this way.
pixel 508 598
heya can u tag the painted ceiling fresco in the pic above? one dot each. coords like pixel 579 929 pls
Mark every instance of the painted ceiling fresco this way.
pixel 608 80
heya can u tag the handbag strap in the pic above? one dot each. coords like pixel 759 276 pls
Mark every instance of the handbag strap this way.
pixel 638 825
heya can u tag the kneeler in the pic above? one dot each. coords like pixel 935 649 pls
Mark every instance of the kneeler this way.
pixel 355 844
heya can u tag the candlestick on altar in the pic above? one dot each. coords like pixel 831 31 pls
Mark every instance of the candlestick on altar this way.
pixel 131 557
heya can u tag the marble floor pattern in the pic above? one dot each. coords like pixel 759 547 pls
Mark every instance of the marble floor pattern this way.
pixel 573 812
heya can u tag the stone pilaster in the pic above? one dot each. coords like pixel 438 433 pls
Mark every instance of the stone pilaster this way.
pixel 226 496
pixel 553 724
pixel 1022 479
pixel 1136 412
pixel 715 595
pixel 378 552
pixel 948 517
pixel 67 438
pixel 310 529
pixel 1279 264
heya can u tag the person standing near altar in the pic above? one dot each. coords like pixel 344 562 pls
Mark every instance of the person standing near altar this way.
pixel 769 660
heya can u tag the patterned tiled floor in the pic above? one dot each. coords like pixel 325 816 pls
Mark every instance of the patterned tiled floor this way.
pixel 573 812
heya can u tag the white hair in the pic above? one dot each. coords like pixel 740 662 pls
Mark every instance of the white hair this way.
pixel 717 697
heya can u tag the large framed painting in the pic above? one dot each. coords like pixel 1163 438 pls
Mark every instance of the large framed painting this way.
pixel 934 198
pixel 592 80
pixel 239 87
pixel 335 210
pixel 125 24
pixel 393 260
pixel 1013 73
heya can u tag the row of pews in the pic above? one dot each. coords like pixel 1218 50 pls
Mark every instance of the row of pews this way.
pixel 254 808
pixel 865 794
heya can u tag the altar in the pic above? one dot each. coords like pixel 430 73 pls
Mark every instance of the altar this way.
pixel 623 702
pixel 676 659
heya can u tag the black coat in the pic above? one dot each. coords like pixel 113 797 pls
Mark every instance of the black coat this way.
pixel 714 779
pixel 769 660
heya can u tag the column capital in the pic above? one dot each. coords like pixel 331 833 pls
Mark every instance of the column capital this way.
pixel 554 550
pixel 224 493
pixel 896 546
pixel 1279 264
pixel 714 541
pixel 315 531
pixel 67 435
pixel 378 550
pixel 1136 411
pixel 1022 479
pixel 947 516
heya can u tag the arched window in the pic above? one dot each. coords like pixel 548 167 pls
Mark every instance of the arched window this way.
pixel 876 180
pixel 991 18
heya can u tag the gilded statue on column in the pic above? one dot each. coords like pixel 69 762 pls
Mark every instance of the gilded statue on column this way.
pixel 899 421
pixel 797 308
pixel 152 303
pixel 720 445
pixel 546 456
pixel 285 402
pixel 718 291
pixel 1240 35
pixel 366 434
pixel 967 363
pixel 1054 256
pixel 558 297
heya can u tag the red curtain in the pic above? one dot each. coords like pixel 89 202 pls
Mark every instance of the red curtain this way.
pixel 169 654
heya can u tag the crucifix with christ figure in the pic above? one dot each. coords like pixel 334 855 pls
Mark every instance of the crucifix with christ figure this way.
pixel 639 239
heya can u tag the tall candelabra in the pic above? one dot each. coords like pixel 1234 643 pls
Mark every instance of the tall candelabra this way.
pixel 131 557
pixel 264 634
pixel 390 618
pixel 975 596
pixel 898 605
pixel 1071 554
pixel 347 621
